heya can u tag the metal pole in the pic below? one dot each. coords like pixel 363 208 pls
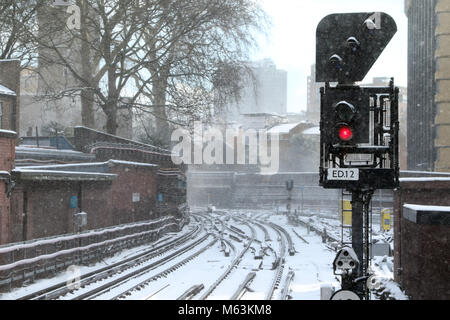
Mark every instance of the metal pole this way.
pixel 357 227
pixel 289 203
pixel 361 234
pixel 37 137
pixel 302 199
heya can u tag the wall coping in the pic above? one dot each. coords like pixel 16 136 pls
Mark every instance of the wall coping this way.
pixel 422 183
pixel 98 166
pixel 425 179
pixel 4 175
pixel 427 215
pixel 8 134
pixel 132 164
pixel 49 175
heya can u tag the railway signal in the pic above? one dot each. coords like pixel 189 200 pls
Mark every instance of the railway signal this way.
pixel 359 125
pixel 346 116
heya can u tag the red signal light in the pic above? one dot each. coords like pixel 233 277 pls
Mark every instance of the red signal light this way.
pixel 345 133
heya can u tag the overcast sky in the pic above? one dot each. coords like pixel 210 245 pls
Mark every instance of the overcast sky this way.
pixel 291 42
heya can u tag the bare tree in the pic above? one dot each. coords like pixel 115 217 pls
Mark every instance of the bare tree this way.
pixel 174 51
pixel 96 56
pixel 201 63
pixel 17 18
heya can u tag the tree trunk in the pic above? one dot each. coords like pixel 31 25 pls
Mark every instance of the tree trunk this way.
pixel 161 125
pixel 87 109
pixel 87 95
pixel 111 118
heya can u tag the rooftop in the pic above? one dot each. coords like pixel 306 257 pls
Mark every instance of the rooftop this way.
pixel 6 92
pixel 312 131
pixel 284 128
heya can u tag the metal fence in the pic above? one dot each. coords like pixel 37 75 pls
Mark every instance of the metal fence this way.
pixel 25 262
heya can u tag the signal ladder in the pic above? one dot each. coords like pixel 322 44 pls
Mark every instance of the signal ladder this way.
pixel 347 231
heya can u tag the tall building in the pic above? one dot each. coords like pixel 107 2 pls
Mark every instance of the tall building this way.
pixel 428 84
pixel 264 91
pixel 313 103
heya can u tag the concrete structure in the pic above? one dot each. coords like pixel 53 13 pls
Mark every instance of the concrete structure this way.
pixel 10 95
pixel 421 231
pixel 264 91
pixel 313 102
pixel 254 190
pixel 259 121
pixel 429 85
pixel 297 152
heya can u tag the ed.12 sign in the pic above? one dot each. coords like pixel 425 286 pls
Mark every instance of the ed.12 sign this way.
pixel 337 174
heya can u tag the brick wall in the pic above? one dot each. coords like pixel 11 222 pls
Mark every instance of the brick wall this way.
pixel 442 96
pixel 422 252
pixel 4 210
pixel 96 202
pixel 10 78
pixel 42 208
pixel 140 182
pixel 7 151
pixel 7 103
pixel 17 218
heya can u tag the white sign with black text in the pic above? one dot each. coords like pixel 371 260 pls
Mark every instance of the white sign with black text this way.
pixel 336 174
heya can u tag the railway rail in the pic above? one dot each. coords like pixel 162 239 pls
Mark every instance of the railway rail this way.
pixel 61 289
pixel 286 288
pixel 192 292
pixel 163 273
pixel 229 270
pixel 244 286
pixel 291 248
pixel 279 264
pixel 132 277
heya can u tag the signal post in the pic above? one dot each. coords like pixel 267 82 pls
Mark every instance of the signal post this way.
pixel 359 128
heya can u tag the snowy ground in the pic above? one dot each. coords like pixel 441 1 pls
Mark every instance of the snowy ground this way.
pixel 312 265
pixel 63 277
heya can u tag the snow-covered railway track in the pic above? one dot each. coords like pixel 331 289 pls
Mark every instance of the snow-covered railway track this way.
pixel 264 229
pixel 61 289
pixel 192 292
pixel 243 287
pixel 257 275
pixel 159 249
pixel 287 284
pixel 291 248
pixel 146 282
pixel 98 291
pixel 229 270
pixel 279 264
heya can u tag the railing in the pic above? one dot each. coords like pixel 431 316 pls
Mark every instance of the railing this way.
pixel 25 262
